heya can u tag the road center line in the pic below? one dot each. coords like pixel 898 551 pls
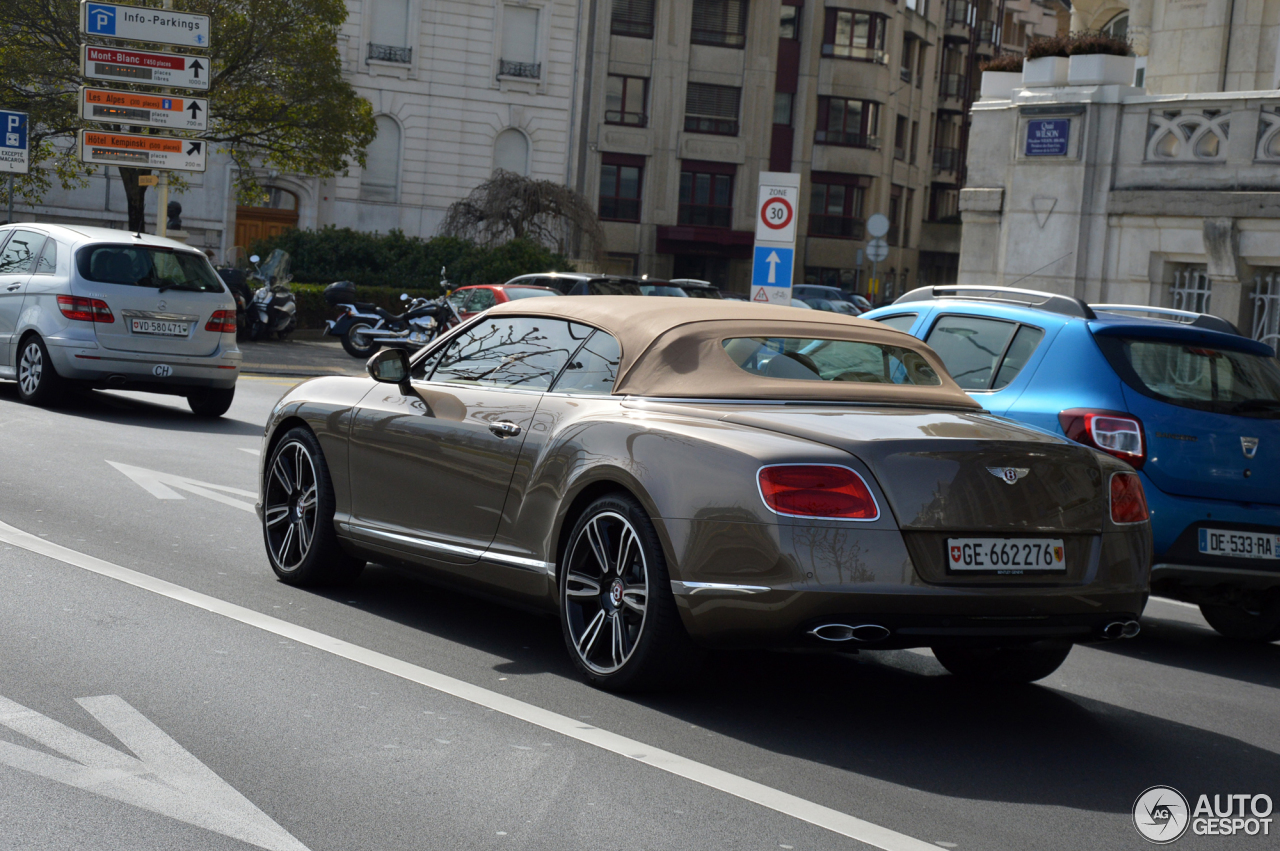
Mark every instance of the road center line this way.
pixel 739 787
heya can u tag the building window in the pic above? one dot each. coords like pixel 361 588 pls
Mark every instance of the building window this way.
pixel 906 64
pixel 633 18
pixel 380 177
pixel 706 194
pixel 915 141
pixel 1118 27
pixel 900 138
pixel 782 105
pixel 921 49
pixel 620 182
pixel 625 99
pixel 946 204
pixel 854 123
pixel 389 31
pixel 720 22
pixel 920 7
pixel 511 152
pixel 519 43
pixel 855 35
pixel 953 83
pixel 895 214
pixel 907 207
pixel 789 24
pixel 712 109
pixel 835 206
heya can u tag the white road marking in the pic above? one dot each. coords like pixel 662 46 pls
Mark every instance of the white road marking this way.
pixel 714 778
pixel 257 452
pixel 161 486
pixel 162 777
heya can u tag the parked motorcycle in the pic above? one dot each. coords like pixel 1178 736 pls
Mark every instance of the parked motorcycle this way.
pixel 364 328
pixel 273 308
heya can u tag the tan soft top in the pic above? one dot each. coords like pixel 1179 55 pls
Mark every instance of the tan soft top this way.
pixel 673 347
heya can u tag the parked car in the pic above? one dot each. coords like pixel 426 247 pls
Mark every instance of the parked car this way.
pixel 800 480
pixel 860 301
pixel 94 307
pixel 812 291
pixel 1182 397
pixel 795 302
pixel 661 288
pixel 698 289
pixel 469 301
pixel 732 296
pixel 577 283
pixel 847 308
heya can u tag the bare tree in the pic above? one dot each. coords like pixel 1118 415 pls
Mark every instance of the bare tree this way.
pixel 510 206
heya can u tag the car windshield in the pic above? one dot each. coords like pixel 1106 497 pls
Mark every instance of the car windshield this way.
pixel 514 293
pixel 661 289
pixel 148 266
pixel 830 360
pixel 1200 377
pixel 701 292
pixel 608 288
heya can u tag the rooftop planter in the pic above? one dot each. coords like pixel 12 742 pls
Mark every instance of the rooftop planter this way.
pixel 1098 59
pixel 1000 76
pixel 1046 64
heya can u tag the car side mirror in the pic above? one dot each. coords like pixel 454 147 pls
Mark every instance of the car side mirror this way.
pixel 389 366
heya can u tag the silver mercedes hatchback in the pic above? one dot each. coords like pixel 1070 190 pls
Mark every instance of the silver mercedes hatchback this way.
pixel 116 310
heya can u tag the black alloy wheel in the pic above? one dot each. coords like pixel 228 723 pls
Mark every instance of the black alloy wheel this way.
pixel 38 381
pixel 619 616
pixel 357 341
pixel 297 515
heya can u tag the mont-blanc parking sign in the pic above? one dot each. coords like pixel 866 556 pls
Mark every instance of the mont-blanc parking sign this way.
pixel 14 149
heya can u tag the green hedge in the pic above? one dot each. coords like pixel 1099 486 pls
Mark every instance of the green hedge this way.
pixel 398 262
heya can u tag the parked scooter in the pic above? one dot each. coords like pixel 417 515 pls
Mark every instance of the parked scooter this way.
pixel 364 328
pixel 273 308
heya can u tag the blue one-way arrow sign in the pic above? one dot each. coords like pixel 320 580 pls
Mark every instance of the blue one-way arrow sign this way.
pixel 772 266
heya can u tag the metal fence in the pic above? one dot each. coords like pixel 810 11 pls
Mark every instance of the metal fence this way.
pixel 1191 289
pixel 1266 308
pixel 387 53
pixel 529 70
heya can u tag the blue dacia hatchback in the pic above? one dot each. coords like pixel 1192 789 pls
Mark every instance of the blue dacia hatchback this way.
pixel 1183 397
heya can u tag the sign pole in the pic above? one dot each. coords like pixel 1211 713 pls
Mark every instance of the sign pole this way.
pixel 162 200
pixel 10 218
pixel 773 263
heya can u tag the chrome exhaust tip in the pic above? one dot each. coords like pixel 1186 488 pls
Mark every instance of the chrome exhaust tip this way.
pixel 863 633
pixel 1121 629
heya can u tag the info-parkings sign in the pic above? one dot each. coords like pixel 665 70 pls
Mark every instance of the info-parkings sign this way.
pixel 144 23
pixel 14 145
pixel 126 149
pixel 143 110
pixel 171 70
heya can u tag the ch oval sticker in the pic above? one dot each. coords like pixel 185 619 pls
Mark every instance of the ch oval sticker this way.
pixel 162 370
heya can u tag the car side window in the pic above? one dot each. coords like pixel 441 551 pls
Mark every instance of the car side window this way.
pixel 458 298
pixel 593 368
pixel 20 253
pixel 1020 351
pixel 48 262
pixel 522 352
pixel 481 300
pixel 971 347
pixel 901 322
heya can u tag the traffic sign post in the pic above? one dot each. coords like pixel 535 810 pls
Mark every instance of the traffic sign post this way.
pixel 130 151
pixel 877 248
pixel 773 263
pixel 15 154
pixel 169 70
pixel 144 23
pixel 143 110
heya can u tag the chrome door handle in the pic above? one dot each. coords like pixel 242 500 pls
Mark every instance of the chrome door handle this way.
pixel 504 429
pixel 13 287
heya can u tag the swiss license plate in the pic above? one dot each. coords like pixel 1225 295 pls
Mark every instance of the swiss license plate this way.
pixel 159 327
pixel 1006 555
pixel 1237 544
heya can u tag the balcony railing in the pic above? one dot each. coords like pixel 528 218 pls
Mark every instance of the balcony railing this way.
pixel 631 119
pixel 986 31
pixel 946 159
pixel 707 124
pixel 848 51
pixel 958 13
pixel 528 70
pixel 849 140
pixel 387 53
pixel 954 86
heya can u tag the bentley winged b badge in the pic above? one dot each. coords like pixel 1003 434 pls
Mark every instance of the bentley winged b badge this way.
pixel 1009 474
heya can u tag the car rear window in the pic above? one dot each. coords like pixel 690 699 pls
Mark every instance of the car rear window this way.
pixel 830 360
pixel 147 266
pixel 1195 376
pixel 661 289
pixel 514 293
pixel 606 288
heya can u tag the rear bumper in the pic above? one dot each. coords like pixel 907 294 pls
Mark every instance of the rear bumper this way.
pixel 80 360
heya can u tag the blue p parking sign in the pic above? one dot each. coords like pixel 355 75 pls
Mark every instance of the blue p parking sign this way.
pixel 13 142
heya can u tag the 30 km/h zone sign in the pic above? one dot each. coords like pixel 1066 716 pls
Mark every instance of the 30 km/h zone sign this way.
pixel 170 70
pixel 124 149
pixel 776 221
pixel 143 110
pixel 144 23
pixel 14 154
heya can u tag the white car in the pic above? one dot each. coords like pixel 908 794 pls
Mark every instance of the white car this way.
pixel 113 309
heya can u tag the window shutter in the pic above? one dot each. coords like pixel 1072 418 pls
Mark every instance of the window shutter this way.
pixel 716 101
pixel 722 18
pixel 633 17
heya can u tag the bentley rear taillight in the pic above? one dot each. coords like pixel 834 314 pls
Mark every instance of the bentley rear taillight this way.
pixel 817 491
pixel 1114 433
pixel 1128 501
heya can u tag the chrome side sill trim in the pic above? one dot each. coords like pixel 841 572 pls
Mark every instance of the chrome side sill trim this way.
pixel 687 588
pixel 544 567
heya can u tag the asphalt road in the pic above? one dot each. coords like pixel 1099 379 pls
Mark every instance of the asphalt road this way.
pixel 394 714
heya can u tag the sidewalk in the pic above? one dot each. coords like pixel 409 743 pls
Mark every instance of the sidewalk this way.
pixel 304 355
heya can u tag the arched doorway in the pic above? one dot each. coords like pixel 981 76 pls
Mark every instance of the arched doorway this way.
pixel 280 214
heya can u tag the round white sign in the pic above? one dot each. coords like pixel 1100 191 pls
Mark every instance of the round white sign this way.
pixel 877 250
pixel 878 225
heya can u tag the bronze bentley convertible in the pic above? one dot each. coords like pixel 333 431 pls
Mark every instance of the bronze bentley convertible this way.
pixel 669 474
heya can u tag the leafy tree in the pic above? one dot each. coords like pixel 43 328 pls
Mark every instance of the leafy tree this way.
pixel 511 206
pixel 277 97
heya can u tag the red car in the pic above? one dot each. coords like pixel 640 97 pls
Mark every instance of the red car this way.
pixel 469 301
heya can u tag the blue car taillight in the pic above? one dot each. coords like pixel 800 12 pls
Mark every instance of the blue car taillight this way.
pixel 1113 432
